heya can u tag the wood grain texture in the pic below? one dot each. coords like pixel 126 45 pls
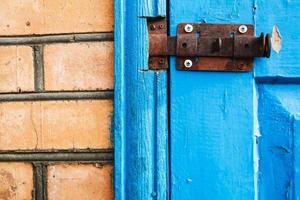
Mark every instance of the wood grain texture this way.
pixel 279 108
pixel 140 108
pixel 153 8
pixel 211 116
pixel 283 66
pixel 296 129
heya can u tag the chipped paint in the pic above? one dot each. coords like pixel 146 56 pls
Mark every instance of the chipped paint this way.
pixel 276 40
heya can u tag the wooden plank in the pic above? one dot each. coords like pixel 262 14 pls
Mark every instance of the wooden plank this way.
pixel 153 8
pixel 278 108
pixel 140 108
pixel 297 155
pixel 281 18
pixel 211 116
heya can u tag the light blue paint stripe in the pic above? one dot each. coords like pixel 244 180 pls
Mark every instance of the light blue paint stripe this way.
pixel 162 136
pixel 119 101
pixel 297 156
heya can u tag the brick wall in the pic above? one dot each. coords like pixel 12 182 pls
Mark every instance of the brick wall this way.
pixel 56 99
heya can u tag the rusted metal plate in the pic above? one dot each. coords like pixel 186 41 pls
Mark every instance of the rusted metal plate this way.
pixel 205 31
pixel 206 47
pixel 158 44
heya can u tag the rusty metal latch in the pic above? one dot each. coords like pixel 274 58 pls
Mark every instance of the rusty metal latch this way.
pixel 206 47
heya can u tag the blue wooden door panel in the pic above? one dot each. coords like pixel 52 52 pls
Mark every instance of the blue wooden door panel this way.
pixel 279 106
pixel 211 116
pixel 141 117
pixel 282 18
pixel 297 156
pixel 236 136
pixel 232 135
pixel 278 101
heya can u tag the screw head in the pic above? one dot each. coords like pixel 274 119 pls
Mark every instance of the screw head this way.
pixel 188 28
pixel 188 63
pixel 243 29
pixel 161 61
pixel 152 27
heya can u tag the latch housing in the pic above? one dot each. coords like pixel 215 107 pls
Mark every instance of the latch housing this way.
pixel 206 47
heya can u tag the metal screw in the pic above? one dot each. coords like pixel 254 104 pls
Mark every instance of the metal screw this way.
pixel 243 29
pixel 161 61
pixel 152 27
pixel 188 28
pixel 188 63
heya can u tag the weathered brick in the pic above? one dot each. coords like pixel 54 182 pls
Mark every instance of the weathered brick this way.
pixel 79 66
pixel 19 17
pixel 55 125
pixel 17 71
pixel 16 181
pixel 79 181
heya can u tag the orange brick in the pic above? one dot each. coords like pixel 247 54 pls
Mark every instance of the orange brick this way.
pixel 79 66
pixel 78 181
pixel 17 71
pixel 55 125
pixel 18 17
pixel 16 181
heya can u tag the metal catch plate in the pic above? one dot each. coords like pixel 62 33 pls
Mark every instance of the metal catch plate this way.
pixel 157 29
pixel 214 63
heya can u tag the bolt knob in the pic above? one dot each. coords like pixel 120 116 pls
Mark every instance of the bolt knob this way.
pixel 268 46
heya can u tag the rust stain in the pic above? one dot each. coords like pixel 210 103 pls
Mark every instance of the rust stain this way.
pixel 7 186
pixel 276 40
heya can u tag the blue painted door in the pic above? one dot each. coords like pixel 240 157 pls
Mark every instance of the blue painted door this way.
pixel 235 135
